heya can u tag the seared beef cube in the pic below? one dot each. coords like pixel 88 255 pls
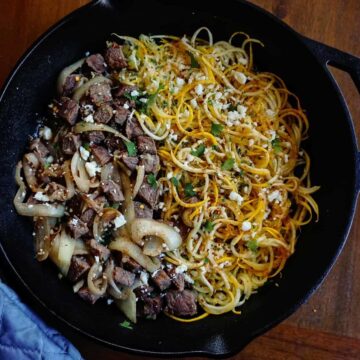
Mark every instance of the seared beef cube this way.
pixel 124 89
pixel 150 307
pixel 114 143
pixel 95 137
pixel 148 194
pixel 112 190
pixel 103 114
pixel 78 267
pixel 143 211
pixel 120 114
pixel 96 63
pixel 99 250
pixel 70 143
pixel 115 57
pixel 100 93
pixel 88 296
pixel 101 154
pixel 124 101
pixel 161 279
pixel 77 227
pixel 143 291
pixel 180 303
pixel 56 191
pixel 39 148
pixel 123 277
pixel 133 128
pixel 130 161
pixel 88 217
pixel 130 264
pixel 146 144
pixel 150 162
pixel 68 110
pixel 70 84
pixel 178 280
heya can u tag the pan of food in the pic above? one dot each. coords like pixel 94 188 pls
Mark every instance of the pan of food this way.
pixel 170 173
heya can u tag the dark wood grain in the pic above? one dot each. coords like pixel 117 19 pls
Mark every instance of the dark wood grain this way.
pixel 328 326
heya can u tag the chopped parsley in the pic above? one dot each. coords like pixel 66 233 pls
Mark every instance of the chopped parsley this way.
pixel 126 324
pixel 189 190
pixel 206 260
pixel 151 179
pixel 193 62
pixel 252 245
pixel 47 164
pixel 216 129
pixel 232 107
pixel 131 148
pixel 115 205
pixel 276 145
pixel 199 151
pixel 228 164
pixel 175 181
pixel 209 226
pixel 86 146
pixel 152 98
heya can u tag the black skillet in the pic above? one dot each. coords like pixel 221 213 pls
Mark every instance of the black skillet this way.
pixel 302 63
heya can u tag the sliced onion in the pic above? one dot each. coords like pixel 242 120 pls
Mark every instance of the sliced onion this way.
pixel 30 164
pixel 66 72
pixel 80 92
pixel 80 248
pixel 68 180
pixel 84 126
pixel 146 227
pixel 128 205
pixel 153 246
pixel 128 306
pixel 42 238
pixel 92 280
pixel 79 173
pixel 139 179
pixel 126 246
pixel 66 250
pixel 103 219
pixel 113 289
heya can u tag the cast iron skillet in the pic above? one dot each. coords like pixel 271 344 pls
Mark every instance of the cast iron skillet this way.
pixel 302 63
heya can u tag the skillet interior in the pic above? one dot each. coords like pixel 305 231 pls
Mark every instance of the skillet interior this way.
pixel 331 145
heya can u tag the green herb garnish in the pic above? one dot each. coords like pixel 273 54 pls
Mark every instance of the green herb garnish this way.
pixel 215 147
pixel 131 148
pixel 252 245
pixel 206 260
pixel 276 145
pixel 175 181
pixel 199 151
pixel 228 164
pixel 216 129
pixel 126 324
pixel 47 164
pixel 151 179
pixel 232 107
pixel 115 205
pixel 189 190
pixel 209 226
pixel 193 62
pixel 86 146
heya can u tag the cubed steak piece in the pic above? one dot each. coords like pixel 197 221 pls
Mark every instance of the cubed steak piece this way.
pixel 161 279
pixel 112 190
pixel 78 268
pixel 39 148
pixel 88 217
pixel 124 89
pixel 133 128
pixel 120 114
pixel 88 296
pixel 143 211
pixel 123 277
pixel 68 110
pixel 103 114
pixel 70 84
pixel 143 291
pixel 178 280
pixel 100 93
pixel 70 143
pixel 94 137
pixel 129 161
pixel 77 227
pixel 101 154
pixel 96 63
pixel 114 57
pixel 180 303
pixel 146 144
pixel 99 250
pixel 113 143
pixel 148 194
pixel 150 162
pixel 130 264
pixel 150 307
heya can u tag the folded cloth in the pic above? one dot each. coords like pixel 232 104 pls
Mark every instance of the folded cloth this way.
pixel 24 336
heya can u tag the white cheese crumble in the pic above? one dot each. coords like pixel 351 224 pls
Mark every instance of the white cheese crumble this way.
pixel 275 195
pixel 169 175
pixel 236 197
pixel 126 106
pixel 143 100
pixel 119 221
pixel 172 136
pixel 241 109
pixel 161 205
pixel 199 89
pixel 188 279
pixel 49 159
pixel 134 93
pixel 144 277
pixel 181 269
pixel 240 77
pixel 180 82
pixel 251 142
pixel 246 226
pixel 45 133
pixel 286 158
pixel 84 153
pixel 272 134
pixel 89 118
pixel 41 197
pixel 92 168
pixel 270 113
pixel 194 103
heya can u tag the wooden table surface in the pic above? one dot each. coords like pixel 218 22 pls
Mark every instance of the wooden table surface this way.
pixel 328 326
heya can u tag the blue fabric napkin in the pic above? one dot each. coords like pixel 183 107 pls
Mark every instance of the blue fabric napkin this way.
pixel 24 336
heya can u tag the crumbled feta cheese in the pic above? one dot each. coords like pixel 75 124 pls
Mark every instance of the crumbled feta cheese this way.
pixel 144 277
pixel 96 259
pixel 41 197
pixel 194 103
pixel 134 93
pixel 218 95
pixel 188 279
pixel 92 168
pixel 169 175
pixel 161 205
pixel 45 133
pixel 270 113
pixel 251 142
pixel 89 118
pixel 74 221
pixel 143 100
pixel 126 106
pixel 172 136
pixel 119 221
pixel 246 226
pixel 241 109
pixel 49 159
pixel 236 197
pixel 272 134
pixel 181 269
pixel 109 301
pixel 275 195
pixel 84 153
pixel 180 82
pixel 286 158
pixel 199 89
pixel 240 77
